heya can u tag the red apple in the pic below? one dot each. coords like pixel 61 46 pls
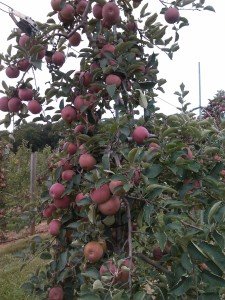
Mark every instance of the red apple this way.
pixel 49 210
pixel 68 114
pixel 12 72
pixel 101 194
pixel 87 162
pixel 172 15
pixel 54 227
pixel 24 40
pixel 56 190
pixel 75 39
pixel 23 64
pixel 111 12
pixel 4 104
pixel 57 5
pixel 14 104
pixel 107 48
pixel 97 11
pixel 25 94
pixel 71 148
pixel 81 7
pixel 110 207
pixel 58 58
pixel 67 175
pixel 67 12
pixel 62 203
pixel 93 251
pixel 139 135
pixel 55 293
pixel 113 79
pixel 79 129
pixel 34 107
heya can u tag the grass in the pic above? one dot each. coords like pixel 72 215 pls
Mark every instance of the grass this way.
pixel 11 278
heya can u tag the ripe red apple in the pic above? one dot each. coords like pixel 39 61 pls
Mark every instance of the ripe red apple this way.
pixel 81 7
pixel 87 162
pixel 113 79
pixel 85 78
pixel 106 24
pixel 56 190
pixel 25 94
pixel 65 164
pixel 131 26
pixel 54 227
pixel 80 102
pixel 34 107
pixel 79 197
pixel 154 147
pixel 68 114
pixel 67 12
pixel 93 251
pixel 4 104
pixel 136 177
pixel 75 39
pixel 110 207
pixel 126 267
pixel 97 11
pixel 113 185
pixel 23 64
pixel 62 203
pixel 24 40
pixel 55 293
pixel 12 72
pixel 49 210
pixel 139 134
pixel 57 5
pixel 67 175
pixel 101 194
pixel 94 66
pixel 172 15
pixel 14 104
pixel 222 172
pixel 111 12
pixel 58 58
pixel 41 53
pixel 79 129
pixel 157 253
pixel 107 48
pixel 71 148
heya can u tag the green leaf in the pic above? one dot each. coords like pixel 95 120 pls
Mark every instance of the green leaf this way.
pixel 209 7
pixel 212 279
pixel 186 262
pixel 196 253
pixel 97 285
pixel 213 211
pixel 142 99
pixel 139 295
pixel 147 213
pixel 161 239
pixel 153 171
pixel 182 287
pixel 215 254
pixel 45 255
pixel 147 85
pixel 91 273
pixel 111 90
pixel 62 260
pixel 106 161
pixel 219 239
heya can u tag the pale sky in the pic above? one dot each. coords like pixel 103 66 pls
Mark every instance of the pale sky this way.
pixel 202 42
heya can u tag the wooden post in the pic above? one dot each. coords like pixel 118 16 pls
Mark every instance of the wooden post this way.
pixel 33 164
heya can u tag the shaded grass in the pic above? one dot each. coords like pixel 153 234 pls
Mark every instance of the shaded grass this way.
pixel 11 278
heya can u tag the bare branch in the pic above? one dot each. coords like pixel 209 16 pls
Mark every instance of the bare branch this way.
pixel 152 263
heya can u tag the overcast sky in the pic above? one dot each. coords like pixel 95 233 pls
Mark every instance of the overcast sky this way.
pixel 202 41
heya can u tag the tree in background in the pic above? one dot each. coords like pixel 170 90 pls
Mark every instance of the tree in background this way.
pixel 135 207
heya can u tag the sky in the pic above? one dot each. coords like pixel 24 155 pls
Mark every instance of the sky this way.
pixel 202 42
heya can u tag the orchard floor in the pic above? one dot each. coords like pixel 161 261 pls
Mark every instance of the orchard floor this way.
pixel 11 277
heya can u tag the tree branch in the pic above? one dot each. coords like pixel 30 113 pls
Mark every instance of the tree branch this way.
pixel 152 263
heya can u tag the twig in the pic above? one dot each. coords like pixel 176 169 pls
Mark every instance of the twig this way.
pixel 152 263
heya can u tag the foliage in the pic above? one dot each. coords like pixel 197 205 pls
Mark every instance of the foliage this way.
pixel 160 234
pixel 17 208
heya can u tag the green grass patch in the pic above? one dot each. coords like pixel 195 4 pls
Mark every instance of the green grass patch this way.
pixel 11 278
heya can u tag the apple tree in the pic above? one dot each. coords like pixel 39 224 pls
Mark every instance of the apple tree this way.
pixel 135 205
